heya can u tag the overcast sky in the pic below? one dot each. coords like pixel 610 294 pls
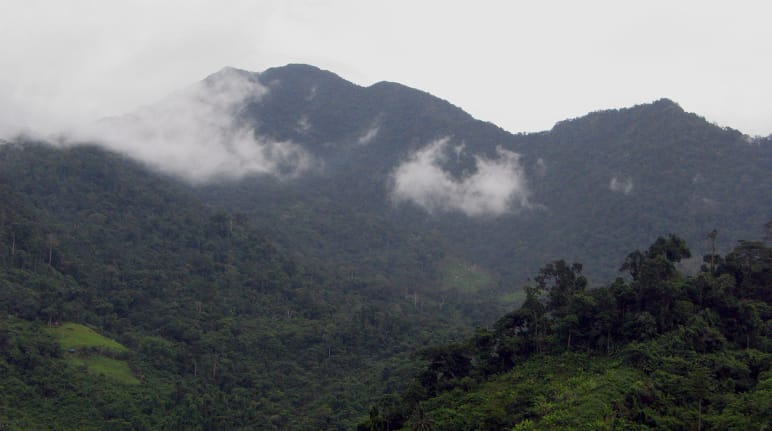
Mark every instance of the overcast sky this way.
pixel 521 65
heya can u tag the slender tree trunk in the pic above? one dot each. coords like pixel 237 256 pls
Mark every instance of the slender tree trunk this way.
pixel 699 415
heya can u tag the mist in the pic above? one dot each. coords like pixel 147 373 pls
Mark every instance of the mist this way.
pixel 199 134
pixel 495 187
pixel 621 185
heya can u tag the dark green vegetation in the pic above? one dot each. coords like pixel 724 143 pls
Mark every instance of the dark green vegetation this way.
pixel 658 351
pixel 221 329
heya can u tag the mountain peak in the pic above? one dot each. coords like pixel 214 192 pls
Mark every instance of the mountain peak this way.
pixel 657 110
pixel 297 72
pixel 664 105
pixel 664 102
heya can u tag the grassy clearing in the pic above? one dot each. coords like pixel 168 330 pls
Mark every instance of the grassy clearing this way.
pixel 89 349
pixel 113 369
pixel 76 336
pixel 464 277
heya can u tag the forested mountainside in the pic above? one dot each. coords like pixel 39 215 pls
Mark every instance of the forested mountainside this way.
pixel 587 190
pixel 658 350
pixel 217 327
pixel 267 250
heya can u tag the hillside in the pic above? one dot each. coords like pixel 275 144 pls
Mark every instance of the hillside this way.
pixel 660 351
pixel 218 327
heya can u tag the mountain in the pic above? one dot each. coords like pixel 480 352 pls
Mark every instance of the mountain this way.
pixel 266 250
pixel 607 181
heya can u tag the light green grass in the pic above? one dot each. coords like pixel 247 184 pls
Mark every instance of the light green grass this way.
pixel 464 277
pixel 113 369
pixel 76 336
pixel 79 337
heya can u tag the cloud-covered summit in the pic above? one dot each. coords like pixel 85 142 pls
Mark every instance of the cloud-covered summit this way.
pixel 200 134
pixel 497 185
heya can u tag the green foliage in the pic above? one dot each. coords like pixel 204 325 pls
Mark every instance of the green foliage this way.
pixel 663 351
pixel 221 327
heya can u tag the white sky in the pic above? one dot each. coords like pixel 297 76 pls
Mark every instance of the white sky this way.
pixel 522 65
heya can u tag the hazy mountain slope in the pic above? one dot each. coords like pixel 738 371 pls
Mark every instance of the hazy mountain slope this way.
pixel 612 178
pixel 597 185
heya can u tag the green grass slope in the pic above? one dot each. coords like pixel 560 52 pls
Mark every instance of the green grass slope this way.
pixel 85 348
pixel 77 336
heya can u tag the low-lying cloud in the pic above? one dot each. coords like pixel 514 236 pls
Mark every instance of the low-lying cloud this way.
pixel 621 185
pixel 497 186
pixel 368 136
pixel 199 133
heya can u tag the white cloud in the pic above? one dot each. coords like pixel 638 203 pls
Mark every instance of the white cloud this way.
pixel 621 185
pixel 303 125
pixel 540 168
pixel 497 186
pixel 198 134
pixel 368 136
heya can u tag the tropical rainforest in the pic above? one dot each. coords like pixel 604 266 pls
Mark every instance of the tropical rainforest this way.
pixel 659 350
pixel 220 328
pixel 413 275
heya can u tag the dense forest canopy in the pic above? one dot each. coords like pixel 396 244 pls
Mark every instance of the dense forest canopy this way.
pixel 654 350
pixel 221 327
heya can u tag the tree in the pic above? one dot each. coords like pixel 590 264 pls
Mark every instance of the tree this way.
pixel 633 263
pixel 673 248
pixel 560 281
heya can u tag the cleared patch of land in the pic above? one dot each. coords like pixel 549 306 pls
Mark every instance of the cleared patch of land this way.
pixel 114 369
pixel 464 277
pixel 85 348
pixel 77 336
